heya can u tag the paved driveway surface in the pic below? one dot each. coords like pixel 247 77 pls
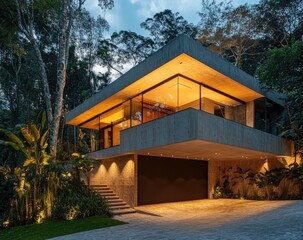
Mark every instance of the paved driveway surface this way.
pixel 207 219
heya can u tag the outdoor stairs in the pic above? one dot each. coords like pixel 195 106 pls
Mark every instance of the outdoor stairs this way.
pixel 116 205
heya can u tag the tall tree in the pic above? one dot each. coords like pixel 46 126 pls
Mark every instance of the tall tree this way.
pixel 280 21
pixel 166 25
pixel 283 72
pixel 123 50
pixel 68 11
pixel 228 31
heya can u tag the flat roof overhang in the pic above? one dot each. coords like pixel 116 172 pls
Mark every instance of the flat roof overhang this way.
pixel 195 134
pixel 181 56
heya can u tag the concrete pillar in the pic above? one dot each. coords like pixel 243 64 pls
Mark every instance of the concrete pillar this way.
pixel 250 114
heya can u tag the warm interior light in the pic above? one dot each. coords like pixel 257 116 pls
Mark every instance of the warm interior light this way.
pixel 112 116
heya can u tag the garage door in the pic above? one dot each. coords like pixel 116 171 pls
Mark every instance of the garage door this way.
pixel 170 179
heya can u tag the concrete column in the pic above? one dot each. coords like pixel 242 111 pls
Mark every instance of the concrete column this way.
pixel 250 114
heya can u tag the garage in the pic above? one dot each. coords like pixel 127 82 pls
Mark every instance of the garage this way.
pixel 162 179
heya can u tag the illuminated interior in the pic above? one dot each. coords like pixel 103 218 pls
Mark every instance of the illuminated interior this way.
pixel 172 95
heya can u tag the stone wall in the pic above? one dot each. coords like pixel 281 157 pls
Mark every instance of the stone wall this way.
pixel 218 171
pixel 119 174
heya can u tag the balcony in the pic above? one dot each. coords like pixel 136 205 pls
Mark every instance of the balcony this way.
pixel 197 134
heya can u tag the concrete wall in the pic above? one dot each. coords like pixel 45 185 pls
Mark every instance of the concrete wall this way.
pixel 120 175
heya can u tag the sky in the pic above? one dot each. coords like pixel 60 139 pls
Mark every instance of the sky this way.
pixel 128 14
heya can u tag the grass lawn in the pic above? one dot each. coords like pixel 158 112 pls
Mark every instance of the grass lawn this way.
pixel 57 228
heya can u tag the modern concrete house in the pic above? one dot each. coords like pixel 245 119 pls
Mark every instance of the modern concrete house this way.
pixel 163 130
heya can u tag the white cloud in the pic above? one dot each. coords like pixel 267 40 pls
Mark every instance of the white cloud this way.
pixel 133 1
pixel 92 7
pixel 149 8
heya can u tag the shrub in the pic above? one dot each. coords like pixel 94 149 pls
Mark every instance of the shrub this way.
pixel 76 200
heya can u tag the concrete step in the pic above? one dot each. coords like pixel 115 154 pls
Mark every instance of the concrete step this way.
pixel 107 194
pixel 120 203
pixel 112 208
pixel 98 186
pixel 111 197
pixel 103 191
pixel 114 200
pixel 123 211
pixel 116 205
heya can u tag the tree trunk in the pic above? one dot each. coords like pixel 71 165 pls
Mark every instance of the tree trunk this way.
pixel 26 25
pixel 65 22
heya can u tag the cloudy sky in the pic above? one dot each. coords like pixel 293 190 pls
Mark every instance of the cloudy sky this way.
pixel 128 14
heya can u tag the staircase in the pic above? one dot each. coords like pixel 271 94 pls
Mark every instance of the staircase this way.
pixel 116 205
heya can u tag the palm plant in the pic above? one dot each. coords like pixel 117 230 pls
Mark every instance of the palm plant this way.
pixel 34 188
pixel 246 177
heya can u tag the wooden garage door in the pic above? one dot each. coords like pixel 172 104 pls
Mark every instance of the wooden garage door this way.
pixel 163 179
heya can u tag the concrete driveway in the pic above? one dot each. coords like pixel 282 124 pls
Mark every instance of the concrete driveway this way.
pixel 207 219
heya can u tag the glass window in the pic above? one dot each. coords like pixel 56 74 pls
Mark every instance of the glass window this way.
pixel 189 94
pixel 160 101
pixel 112 122
pixel 136 115
pixel 220 105
pixel 92 124
pixel 89 135
pixel 219 110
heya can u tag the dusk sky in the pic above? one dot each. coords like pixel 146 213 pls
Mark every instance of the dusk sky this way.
pixel 128 14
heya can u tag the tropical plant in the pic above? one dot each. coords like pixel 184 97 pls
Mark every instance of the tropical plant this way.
pixel 36 180
pixel 76 200
pixel 227 183
pixel 296 175
pixel 268 180
pixel 246 177
pixel 84 165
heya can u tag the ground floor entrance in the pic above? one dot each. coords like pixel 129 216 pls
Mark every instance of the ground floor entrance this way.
pixel 162 179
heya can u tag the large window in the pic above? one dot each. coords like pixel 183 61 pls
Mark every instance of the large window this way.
pixel 136 110
pixel 112 122
pixel 160 101
pixel 220 104
pixel 173 95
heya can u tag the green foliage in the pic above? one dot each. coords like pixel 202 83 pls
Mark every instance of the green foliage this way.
pixel 296 175
pixel 166 25
pixel 6 189
pixel 76 200
pixel 269 179
pixel 283 71
pixel 217 193
pixel 56 228
pixel 82 164
pixel 283 68
pixel 32 188
pixel 246 178
pixel 227 183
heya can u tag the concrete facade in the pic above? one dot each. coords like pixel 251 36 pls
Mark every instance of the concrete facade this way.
pixel 120 175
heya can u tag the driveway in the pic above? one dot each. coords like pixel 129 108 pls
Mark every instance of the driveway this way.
pixel 207 219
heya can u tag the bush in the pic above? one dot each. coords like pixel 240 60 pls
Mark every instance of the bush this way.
pixel 6 189
pixel 76 200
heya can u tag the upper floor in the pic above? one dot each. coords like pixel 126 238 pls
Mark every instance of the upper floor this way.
pixel 181 75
